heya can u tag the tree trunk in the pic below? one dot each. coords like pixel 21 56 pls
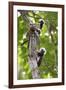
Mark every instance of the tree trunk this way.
pixel 33 55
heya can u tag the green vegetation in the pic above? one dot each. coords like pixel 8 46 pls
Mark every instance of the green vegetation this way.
pixel 48 40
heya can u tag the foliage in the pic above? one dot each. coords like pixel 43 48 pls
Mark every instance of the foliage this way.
pixel 48 40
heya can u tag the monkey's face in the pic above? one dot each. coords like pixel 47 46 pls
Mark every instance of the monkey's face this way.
pixel 41 21
pixel 40 55
pixel 42 51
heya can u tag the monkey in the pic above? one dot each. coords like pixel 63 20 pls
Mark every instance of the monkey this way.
pixel 40 55
pixel 41 22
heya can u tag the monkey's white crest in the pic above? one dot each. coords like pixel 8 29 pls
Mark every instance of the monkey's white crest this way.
pixel 41 20
pixel 43 50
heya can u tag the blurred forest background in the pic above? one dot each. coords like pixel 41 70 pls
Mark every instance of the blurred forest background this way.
pixel 48 40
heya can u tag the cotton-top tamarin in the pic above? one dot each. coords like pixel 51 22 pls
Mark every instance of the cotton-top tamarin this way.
pixel 40 55
pixel 41 22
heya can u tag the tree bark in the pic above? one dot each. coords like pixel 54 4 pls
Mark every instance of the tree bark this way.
pixel 32 46
pixel 33 55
